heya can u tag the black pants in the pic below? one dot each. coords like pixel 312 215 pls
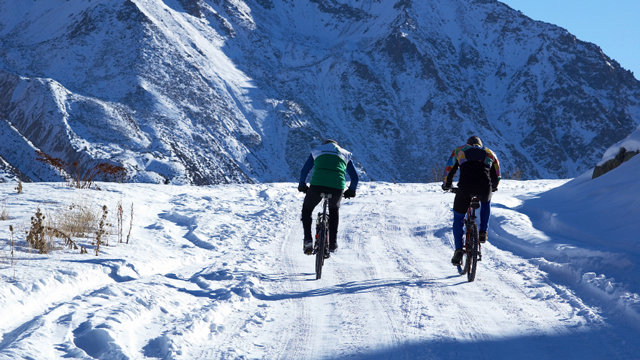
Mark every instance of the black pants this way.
pixel 463 197
pixel 312 199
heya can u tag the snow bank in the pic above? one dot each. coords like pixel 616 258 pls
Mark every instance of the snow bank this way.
pixel 584 232
pixel 600 212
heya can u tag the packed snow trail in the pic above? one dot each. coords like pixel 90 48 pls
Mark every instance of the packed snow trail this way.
pixel 218 273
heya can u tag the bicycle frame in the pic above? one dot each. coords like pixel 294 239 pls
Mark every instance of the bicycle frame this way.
pixel 471 246
pixel 470 219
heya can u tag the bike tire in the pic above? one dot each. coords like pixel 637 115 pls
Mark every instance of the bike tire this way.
pixel 463 268
pixel 321 248
pixel 472 253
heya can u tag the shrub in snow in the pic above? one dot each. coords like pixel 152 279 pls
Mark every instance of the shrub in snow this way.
pixel 35 237
pixel 4 214
pixel 101 229
pixel 19 187
pixel 83 178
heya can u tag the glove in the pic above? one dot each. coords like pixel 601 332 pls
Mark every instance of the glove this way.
pixel 446 187
pixel 348 194
pixel 303 188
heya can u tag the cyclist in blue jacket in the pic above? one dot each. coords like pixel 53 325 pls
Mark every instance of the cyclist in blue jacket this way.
pixel 479 175
pixel 329 162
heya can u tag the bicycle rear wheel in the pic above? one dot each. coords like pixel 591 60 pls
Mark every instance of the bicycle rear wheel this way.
pixel 321 242
pixel 472 253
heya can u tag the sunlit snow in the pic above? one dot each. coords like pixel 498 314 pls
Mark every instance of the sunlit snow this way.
pixel 218 272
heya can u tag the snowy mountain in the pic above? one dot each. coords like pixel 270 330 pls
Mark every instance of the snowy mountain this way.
pixel 232 91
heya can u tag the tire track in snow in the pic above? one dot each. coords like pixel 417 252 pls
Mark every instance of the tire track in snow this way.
pixel 413 258
pixel 380 247
pixel 373 325
pixel 259 334
pixel 298 312
pixel 355 283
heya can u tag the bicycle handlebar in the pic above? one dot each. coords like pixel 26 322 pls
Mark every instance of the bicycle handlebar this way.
pixel 455 190
pixel 329 196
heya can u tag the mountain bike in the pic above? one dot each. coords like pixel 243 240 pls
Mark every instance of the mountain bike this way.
pixel 471 246
pixel 321 247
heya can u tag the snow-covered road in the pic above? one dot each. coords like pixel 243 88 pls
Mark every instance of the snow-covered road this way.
pixel 218 273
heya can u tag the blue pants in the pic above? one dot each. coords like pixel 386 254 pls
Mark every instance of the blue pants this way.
pixel 458 222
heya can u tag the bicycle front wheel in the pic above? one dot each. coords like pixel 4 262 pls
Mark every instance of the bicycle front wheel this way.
pixel 321 242
pixel 472 253
pixel 464 267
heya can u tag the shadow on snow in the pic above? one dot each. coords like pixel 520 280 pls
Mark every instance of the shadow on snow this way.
pixel 584 343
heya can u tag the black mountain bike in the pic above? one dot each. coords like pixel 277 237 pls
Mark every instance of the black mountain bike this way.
pixel 471 246
pixel 321 247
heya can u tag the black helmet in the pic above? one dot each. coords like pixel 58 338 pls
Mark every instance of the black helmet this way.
pixel 474 140
pixel 329 141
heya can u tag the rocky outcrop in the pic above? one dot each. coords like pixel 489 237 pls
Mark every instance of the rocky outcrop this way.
pixel 623 155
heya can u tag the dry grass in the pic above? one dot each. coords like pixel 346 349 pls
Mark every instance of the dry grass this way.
pixel 516 174
pixel 101 231
pixel 130 224
pixel 82 219
pixel 76 220
pixel 437 171
pixel 12 242
pixel 119 221
pixel 4 213
pixel 19 187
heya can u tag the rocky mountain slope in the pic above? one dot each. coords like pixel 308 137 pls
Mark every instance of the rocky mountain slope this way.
pixel 222 91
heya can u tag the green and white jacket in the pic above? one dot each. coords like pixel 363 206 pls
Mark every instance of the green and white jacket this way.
pixel 329 162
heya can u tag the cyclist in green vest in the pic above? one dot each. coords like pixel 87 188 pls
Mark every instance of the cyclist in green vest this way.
pixel 329 162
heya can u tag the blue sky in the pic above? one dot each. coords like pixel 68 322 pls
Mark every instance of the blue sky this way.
pixel 614 25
